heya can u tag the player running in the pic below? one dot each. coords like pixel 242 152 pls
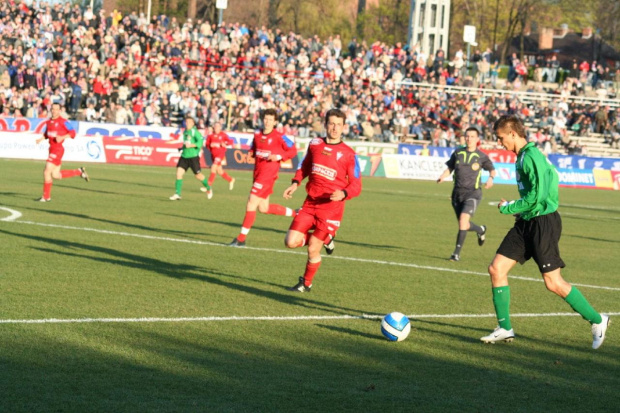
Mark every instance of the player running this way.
pixel 334 176
pixel 467 164
pixel 536 234
pixel 190 158
pixel 269 148
pixel 57 129
pixel 217 143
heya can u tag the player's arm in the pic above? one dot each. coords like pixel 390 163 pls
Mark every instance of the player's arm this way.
pixel 70 132
pixel 450 167
pixel 444 175
pixel 530 199
pixel 252 150
pixel 487 165
pixel 354 188
pixel 43 134
pixel 302 172
pixel 288 148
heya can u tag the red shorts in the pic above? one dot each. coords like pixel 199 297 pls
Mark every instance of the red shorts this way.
pixel 218 157
pixel 263 183
pixel 55 157
pixel 322 217
pixel 263 188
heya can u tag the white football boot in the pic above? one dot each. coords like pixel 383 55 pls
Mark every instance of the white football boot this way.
pixel 499 334
pixel 598 332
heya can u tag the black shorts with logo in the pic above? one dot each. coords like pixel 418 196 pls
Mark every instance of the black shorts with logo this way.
pixel 466 203
pixel 537 238
pixel 193 163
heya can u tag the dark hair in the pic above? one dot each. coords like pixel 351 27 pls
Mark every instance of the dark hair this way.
pixel 511 122
pixel 473 128
pixel 335 113
pixel 270 112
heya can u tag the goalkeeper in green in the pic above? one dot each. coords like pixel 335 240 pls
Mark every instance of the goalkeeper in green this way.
pixel 536 234
pixel 190 158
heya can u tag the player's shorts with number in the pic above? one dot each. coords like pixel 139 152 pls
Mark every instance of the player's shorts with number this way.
pixel 56 155
pixel 324 217
pixel 263 186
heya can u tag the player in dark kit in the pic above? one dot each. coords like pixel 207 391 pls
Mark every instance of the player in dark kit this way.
pixel 334 176
pixel 536 234
pixel 269 148
pixel 467 164
pixel 57 129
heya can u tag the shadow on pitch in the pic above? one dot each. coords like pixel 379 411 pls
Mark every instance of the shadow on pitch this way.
pixel 237 225
pixel 179 271
pixel 127 224
pixel 352 332
pixel 614 241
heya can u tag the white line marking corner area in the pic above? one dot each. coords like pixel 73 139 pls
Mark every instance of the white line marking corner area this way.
pixel 15 215
pixel 272 318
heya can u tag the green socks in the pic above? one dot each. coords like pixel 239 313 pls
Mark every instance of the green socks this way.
pixel 501 301
pixel 178 185
pixel 205 182
pixel 579 303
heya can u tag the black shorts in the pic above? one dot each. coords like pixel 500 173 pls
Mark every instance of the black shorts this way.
pixel 193 163
pixel 537 238
pixel 467 206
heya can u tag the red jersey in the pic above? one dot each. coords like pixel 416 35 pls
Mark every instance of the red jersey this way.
pixel 217 144
pixel 274 143
pixel 329 168
pixel 57 127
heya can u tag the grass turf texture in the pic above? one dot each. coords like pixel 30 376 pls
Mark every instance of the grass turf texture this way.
pixel 341 364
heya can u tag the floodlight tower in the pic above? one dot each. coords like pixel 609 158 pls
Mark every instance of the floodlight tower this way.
pixel 429 25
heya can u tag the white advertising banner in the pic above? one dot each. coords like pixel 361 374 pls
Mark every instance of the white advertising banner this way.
pixel 414 167
pixel 22 145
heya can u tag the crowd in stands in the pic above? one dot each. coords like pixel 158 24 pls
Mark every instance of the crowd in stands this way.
pixel 109 67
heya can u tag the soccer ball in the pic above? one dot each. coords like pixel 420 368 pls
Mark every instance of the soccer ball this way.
pixel 395 326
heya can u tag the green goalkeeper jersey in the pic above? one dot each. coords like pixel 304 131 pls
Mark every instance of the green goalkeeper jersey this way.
pixel 537 181
pixel 191 136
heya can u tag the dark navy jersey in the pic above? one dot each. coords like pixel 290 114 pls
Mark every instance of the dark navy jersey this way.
pixel 467 168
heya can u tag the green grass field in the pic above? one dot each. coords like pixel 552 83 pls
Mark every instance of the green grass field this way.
pixel 147 310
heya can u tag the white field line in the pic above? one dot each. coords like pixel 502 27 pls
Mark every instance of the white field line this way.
pixel 272 318
pixel 284 251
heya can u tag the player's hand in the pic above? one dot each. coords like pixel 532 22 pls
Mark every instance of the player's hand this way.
pixel 288 192
pixel 440 179
pixel 489 183
pixel 338 195
pixel 501 203
pixel 41 139
pixel 274 158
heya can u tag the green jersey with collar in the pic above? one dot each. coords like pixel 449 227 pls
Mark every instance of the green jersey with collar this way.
pixel 191 136
pixel 538 183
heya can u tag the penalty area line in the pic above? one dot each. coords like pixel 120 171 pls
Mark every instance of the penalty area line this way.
pixel 272 318
pixel 283 251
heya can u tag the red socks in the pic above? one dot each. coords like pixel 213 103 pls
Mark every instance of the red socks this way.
pixel 70 173
pixel 311 269
pixel 47 190
pixel 248 221
pixel 227 177
pixel 211 178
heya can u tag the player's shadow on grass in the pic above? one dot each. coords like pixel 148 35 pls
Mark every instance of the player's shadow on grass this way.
pixel 127 224
pixel 128 183
pixel 613 241
pixel 279 231
pixel 352 332
pixel 236 225
pixel 179 271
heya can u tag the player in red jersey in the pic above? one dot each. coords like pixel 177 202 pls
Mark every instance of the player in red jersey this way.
pixel 269 147
pixel 218 142
pixel 334 176
pixel 57 129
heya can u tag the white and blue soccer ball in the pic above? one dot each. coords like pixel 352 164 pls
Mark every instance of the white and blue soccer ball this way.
pixel 395 326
